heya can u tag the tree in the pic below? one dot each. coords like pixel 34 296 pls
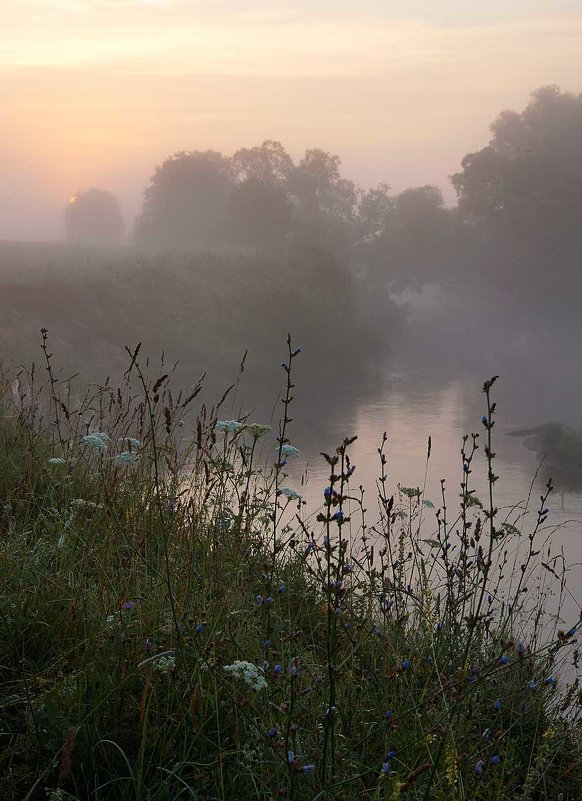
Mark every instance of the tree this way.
pixel 260 212
pixel 93 217
pixel 186 202
pixel 269 163
pixel 523 196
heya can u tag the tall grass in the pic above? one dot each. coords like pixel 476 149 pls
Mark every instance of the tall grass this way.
pixel 177 623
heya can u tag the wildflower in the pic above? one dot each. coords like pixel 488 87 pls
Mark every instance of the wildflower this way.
pixel 257 430
pixel 385 768
pixel 165 664
pixel 135 443
pixel 149 647
pixel 248 672
pixel 267 643
pixel 128 605
pixel 228 426
pixel 199 628
pixel 351 470
pixel 277 669
pixel 97 440
pixel 296 352
pixel 259 600
pixel 497 705
pixel 272 732
pixel 270 600
pixel 126 457
pixel 531 685
pixel 285 367
pixel 495 760
pixel 57 460
pixel 390 755
pixel 479 767
pixel 289 451
pixel 338 517
pixel 292 494
pixel 484 421
pixel 466 467
pixel 519 648
pixel 405 665
pixel 504 660
pixel 571 633
pixel 550 680
pixel 346 568
pixel 388 714
pixel 308 768
pixel 290 757
pixel 282 588
pixel 329 493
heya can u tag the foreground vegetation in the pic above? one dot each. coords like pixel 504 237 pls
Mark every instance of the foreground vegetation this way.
pixel 177 623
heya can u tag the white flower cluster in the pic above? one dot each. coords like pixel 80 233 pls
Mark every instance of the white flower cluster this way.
pixel 249 673
pixel 165 664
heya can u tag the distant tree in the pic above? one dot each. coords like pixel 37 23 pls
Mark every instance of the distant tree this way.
pixel 411 238
pixel 186 202
pixel 320 189
pixel 93 217
pixel 269 163
pixel 523 197
pixel 260 212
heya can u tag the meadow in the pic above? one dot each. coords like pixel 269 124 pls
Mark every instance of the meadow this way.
pixel 177 623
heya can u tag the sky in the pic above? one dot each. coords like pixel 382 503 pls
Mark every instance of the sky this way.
pixel 98 92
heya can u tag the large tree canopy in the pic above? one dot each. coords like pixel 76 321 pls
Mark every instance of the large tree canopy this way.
pixel 186 202
pixel 523 195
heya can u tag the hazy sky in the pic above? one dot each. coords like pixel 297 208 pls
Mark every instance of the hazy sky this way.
pixel 97 92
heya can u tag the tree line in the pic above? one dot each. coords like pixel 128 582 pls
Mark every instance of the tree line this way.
pixel 517 220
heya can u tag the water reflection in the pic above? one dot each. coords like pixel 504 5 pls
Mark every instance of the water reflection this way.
pixel 412 409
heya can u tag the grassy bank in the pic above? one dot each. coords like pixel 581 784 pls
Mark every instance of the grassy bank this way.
pixel 176 623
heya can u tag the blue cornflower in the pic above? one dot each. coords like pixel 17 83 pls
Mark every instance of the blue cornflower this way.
pixel 308 768
pixel 296 352
pixel 267 643
pixel 495 760
pixel 519 648
pixel 338 516
pixel 199 628
pixel 128 605
pixel 497 705
pixel 484 420
pixel 282 588
pixel 277 669
pixel 390 755
pixel 406 664
pixel 504 660
pixel 550 680
pixel 388 714
pixel 346 568
pixel 269 600
pixel 272 732
pixel 479 767
pixel 385 768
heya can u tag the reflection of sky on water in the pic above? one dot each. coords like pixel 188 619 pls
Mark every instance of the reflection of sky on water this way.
pixel 410 414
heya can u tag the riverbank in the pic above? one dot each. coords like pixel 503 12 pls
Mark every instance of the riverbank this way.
pixel 211 636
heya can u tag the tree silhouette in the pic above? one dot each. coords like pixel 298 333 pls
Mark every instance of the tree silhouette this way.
pixel 93 217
